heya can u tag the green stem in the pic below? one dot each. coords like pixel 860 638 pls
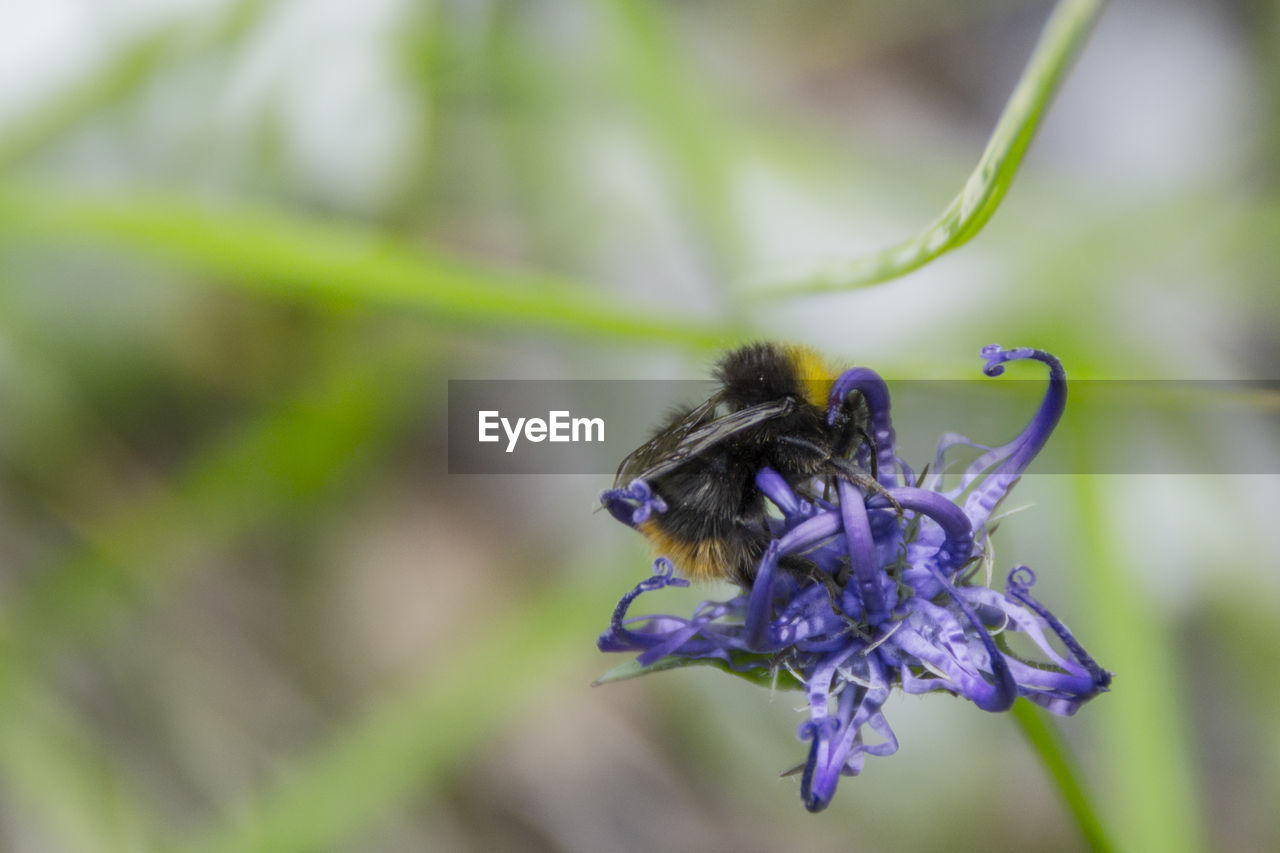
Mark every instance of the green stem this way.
pixel 1059 42
pixel 1047 742
pixel 1147 743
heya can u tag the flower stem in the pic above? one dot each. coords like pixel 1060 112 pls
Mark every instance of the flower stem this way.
pixel 1061 39
pixel 1047 742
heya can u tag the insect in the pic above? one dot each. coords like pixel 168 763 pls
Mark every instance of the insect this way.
pixel 770 410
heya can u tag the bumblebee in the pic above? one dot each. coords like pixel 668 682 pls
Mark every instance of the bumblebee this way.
pixel 770 410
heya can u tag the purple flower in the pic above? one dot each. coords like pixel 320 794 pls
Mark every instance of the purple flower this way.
pixel 904 611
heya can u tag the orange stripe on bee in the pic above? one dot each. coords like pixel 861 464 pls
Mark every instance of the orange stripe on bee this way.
pixel 704 560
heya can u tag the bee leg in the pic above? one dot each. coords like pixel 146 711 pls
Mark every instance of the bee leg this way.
pixel 859 437
pixel 867 482
pixel 835 592
pixel 845 468
pixel 835 589
pixel 847 422
pixel 873 461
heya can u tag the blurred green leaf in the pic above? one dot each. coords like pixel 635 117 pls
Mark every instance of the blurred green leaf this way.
pixel 682 118
pixel 124 73
pixel 1061 40
pixel 410 740
pixel 60 775
pixel 288 255
pixel 281 463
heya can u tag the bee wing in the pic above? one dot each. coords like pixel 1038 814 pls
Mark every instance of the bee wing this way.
pixel 643 461
pixel 694 434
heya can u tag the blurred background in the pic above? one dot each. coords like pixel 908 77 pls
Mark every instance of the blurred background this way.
pixel 244 244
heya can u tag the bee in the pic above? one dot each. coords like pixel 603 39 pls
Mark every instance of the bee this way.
pixel 770 410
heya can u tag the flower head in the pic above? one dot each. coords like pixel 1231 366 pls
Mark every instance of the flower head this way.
pixel 892 602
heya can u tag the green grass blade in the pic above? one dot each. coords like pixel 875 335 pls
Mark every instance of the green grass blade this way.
pixel 280 254
pixel 410 740
pixel 1063 35
pixel 301 450
pixel 62 778
pixel 298 452
pixel 281 463
pixel 1048 744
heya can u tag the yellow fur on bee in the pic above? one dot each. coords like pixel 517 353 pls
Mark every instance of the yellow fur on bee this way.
pixel 705 560
pixel 814 374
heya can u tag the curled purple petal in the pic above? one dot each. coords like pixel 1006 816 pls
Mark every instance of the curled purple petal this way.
pixel 1011 459
pixel 1018 583
pixel 957 545
pixel 876 393
pixel 866 573
pixel 634 504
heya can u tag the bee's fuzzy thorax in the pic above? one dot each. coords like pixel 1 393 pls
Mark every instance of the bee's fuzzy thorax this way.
pixel 757 373
pixel 760 372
